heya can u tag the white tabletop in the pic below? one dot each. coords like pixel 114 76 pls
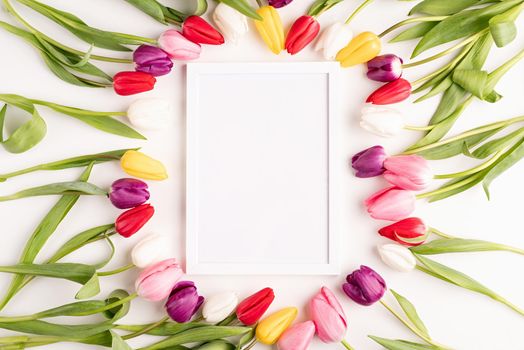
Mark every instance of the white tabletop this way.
pixel 454 316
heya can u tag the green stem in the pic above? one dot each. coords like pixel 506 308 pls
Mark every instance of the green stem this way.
pixel 358 10
pixel 116 271
pixel 419 128
pixel 474 170
pixel 61 108
pixel 445 189
pixel 259 3
pixel 412 20
pixel 109 306
pixel 146 329
pixel 250 345
pixel 346 345
pixel 440 233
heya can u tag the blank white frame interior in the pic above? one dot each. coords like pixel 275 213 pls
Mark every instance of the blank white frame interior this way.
pixel 260 179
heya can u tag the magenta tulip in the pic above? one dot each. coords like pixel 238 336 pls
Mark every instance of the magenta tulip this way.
pixel 392 203
pixel 410 172
pixel 328 316
pixel 178 46
pixel 152 60
pixel 183 302
pixel 156 282
pixel 364 286
pixel 385 68
pixel 369 162
pixel 297 337
pixel 128 193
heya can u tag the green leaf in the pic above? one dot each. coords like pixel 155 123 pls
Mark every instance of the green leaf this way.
pixel 201 8
pixel 109 125
pixel 165 329
pixel 79 308
pixel 414 32
pixel 471 80
pixel 59 188
pixel 120 311
pixel 150 7
pixel 89 289
pixel 58 330
pixel 457 245
pixel 246 339
pixel 321 6
pixel 243 7
pixel 411 313
pixel 496 145
pixel 217 345
pixel 119 343
pixel 25 136
pixel 401 344
pixel 65 75
pixel 79 273
pixel 502 27
pixel 442 7
pixel 456 186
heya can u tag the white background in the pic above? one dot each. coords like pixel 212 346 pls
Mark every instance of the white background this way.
pixel 456 317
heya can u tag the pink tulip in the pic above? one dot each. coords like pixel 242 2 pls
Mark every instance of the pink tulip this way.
pixel 156 282
pixel 297 337
pixel 178 46
pixel 391 204
pixel 409 172
pixel 328 316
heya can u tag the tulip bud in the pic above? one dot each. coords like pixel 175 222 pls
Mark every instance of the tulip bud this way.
pixel 150 113
pixel 156 282
pixel 197 30
pixel 393 92
pixel 369 162
pixel 381 121
pixel 177 46
pixel 251 309
pixel 128 193
pixel 279 3
pixel 333 39
pixel 410 232
pixel 130 83
pixel 302 32
pixel 361 49
pixel 152 60
pixel 297 337
pixel 270 28
pixel 183 302
pixel 132 220
pixel 150 250
pixel 219 306
pixel 231 23
pixel 140 165
pixel 385 68
pixel 410 172
pixel 397 257
pixel 271 328
pixel 365 286
pixel 329 317
pixel 391 204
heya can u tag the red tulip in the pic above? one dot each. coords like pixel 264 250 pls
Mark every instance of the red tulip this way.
pixel 393 92
pixel 410 231
pixel 302 32
pixel 130 83
pixel 251 309
pixel 197 30
pixel 132 220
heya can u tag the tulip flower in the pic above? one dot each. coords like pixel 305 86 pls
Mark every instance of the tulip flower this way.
pixel 361 49
pixel 156 282
pixel 197 30
pixel 270 28
pixel 230 22
pixel 410 172
pixel 328 316
pixel 150 113
pixel 391 204
pixel 333 39
pixel 128 193
pixel 183 302
pixel 152 60
pixel 271 328
pixel 410 232
pixel 397 257
pixel 177 46
pixel 219 306
pixel 393 92
pixel 369 162
pixel 279 3
pixel 130 83
pixel 382 121
pixel 132 220
pixel 385 68
pixel 150 250
pixel 140 165
pixel 251 309
pixel 302 32
pixel 297 337
pixel 364 286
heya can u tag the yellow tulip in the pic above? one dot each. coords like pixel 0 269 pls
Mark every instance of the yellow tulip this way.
pixel 139 165
pixel 363 48
pixel 271 328
pixel 270 28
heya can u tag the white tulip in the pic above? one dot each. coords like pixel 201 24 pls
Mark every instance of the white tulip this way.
pixel 382 121
pixel 150 250
pixel 220 306
pixel 397 257
pixel 230 22
pixel 333 39
pixel 150 113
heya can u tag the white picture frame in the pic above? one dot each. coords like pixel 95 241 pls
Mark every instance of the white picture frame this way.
pixel 260 185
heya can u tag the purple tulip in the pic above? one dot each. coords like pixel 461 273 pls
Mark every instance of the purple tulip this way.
pixel 279 3
pixel 152 60
pixel 385 68
pixel 128 193
pixel 369 162
pixel 365 286
pixel 183 302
